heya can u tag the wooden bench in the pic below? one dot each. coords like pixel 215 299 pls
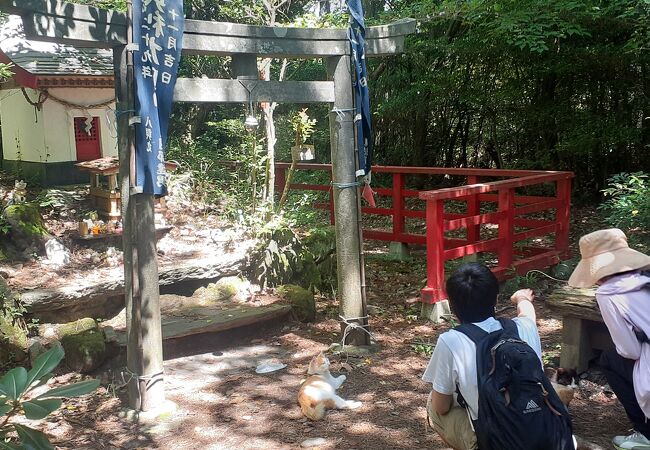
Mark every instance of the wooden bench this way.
pixel 583 331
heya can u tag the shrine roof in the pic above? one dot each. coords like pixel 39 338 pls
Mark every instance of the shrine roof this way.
pixel 50 59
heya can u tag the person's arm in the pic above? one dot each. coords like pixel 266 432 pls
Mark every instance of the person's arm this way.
pixel 441 403
pixel 523 299
pixel 440 373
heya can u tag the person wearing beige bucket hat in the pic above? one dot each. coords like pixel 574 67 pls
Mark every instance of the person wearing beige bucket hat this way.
pixel 623 296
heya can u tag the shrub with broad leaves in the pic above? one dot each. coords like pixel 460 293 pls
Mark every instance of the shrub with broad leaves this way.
pixel 628 201
pixel 17 398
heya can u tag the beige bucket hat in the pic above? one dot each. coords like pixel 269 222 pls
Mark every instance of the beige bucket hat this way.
pixel 605 253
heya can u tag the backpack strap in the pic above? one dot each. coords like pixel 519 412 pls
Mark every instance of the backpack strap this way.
pixel 509 327
pixel 474 332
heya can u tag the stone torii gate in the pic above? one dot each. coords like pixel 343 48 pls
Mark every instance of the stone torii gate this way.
pixel 83 26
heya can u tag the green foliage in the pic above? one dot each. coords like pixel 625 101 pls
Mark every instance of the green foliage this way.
pixel 422 347
pixel 26 217
pixel 301 300
pixel 284 257
pixel 533 84
pixel 515 282
pixel 628 203
pixel 119 5
pixel 5 226
pixel 16 398
pixel 303 126
pixel 5 71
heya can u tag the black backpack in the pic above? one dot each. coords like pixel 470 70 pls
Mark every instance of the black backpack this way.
pixel 517 405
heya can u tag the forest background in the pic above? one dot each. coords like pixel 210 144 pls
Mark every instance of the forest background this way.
pixel 528 84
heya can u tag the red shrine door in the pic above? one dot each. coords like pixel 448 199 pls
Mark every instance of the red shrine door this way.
pixel 87 138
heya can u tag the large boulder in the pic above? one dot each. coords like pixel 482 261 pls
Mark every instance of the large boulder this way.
pixel 84 345
pixel 302 301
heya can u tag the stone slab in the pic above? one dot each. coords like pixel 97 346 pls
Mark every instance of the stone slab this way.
pixel 194 320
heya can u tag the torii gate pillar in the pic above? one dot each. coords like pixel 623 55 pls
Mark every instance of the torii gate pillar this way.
pixel 346 211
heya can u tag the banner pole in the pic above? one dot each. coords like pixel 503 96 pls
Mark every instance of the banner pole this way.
pixel 145 339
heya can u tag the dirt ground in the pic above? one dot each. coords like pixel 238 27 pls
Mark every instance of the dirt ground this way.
pixel 222 403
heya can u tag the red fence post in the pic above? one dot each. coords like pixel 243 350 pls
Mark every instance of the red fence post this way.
pixel 473 209
pixel 398 205
pixel 506 227
pixel 562 215
pixel 434 291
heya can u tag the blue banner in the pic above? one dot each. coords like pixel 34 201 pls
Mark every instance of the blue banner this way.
pixel 158 30
pixel 362 119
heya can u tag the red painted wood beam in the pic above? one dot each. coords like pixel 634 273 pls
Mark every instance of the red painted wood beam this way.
pixel 414 213
pixel 430 170
pixel 462 191
pixel 465 250
pixel 473 220
pixel 435 289
pixel 523 266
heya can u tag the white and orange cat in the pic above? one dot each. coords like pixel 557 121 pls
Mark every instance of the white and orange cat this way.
pixel 318 392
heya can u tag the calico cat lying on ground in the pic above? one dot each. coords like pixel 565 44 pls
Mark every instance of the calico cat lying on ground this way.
pixel 565 382
pixel 318 392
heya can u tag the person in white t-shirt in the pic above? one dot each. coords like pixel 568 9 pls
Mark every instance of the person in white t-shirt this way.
pixel 472 291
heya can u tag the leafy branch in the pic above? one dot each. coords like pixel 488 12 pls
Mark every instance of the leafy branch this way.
pixel 16 387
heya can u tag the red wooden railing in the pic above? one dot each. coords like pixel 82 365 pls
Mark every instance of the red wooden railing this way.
pixel 510 220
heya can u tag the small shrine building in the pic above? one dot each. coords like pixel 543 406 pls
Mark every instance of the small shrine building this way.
pixel 57 110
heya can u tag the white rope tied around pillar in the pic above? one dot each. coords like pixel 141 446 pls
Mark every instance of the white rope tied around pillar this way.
pixel 135 376
pixel 351 325
pixel 347 185
pixel 340 113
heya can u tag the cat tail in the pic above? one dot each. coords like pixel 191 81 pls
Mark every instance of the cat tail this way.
pixel 315 412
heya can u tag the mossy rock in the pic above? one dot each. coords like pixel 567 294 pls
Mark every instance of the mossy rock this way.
pixel 84 345
pixel 77 327
pixel 27 226
pixel 302 301
pixel 26 218
pixel 13 341
pixel 224 289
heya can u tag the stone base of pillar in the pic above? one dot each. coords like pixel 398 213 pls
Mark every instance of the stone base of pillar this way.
pixel 399 251
pixel 435 311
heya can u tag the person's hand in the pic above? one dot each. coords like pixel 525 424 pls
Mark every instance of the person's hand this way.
pixel 521 295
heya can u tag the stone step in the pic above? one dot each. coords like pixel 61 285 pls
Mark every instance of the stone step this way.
pixel 201 320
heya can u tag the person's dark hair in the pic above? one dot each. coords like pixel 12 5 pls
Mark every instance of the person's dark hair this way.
pixel 472 291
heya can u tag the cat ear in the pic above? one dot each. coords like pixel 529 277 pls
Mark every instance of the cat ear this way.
pixel 314 363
